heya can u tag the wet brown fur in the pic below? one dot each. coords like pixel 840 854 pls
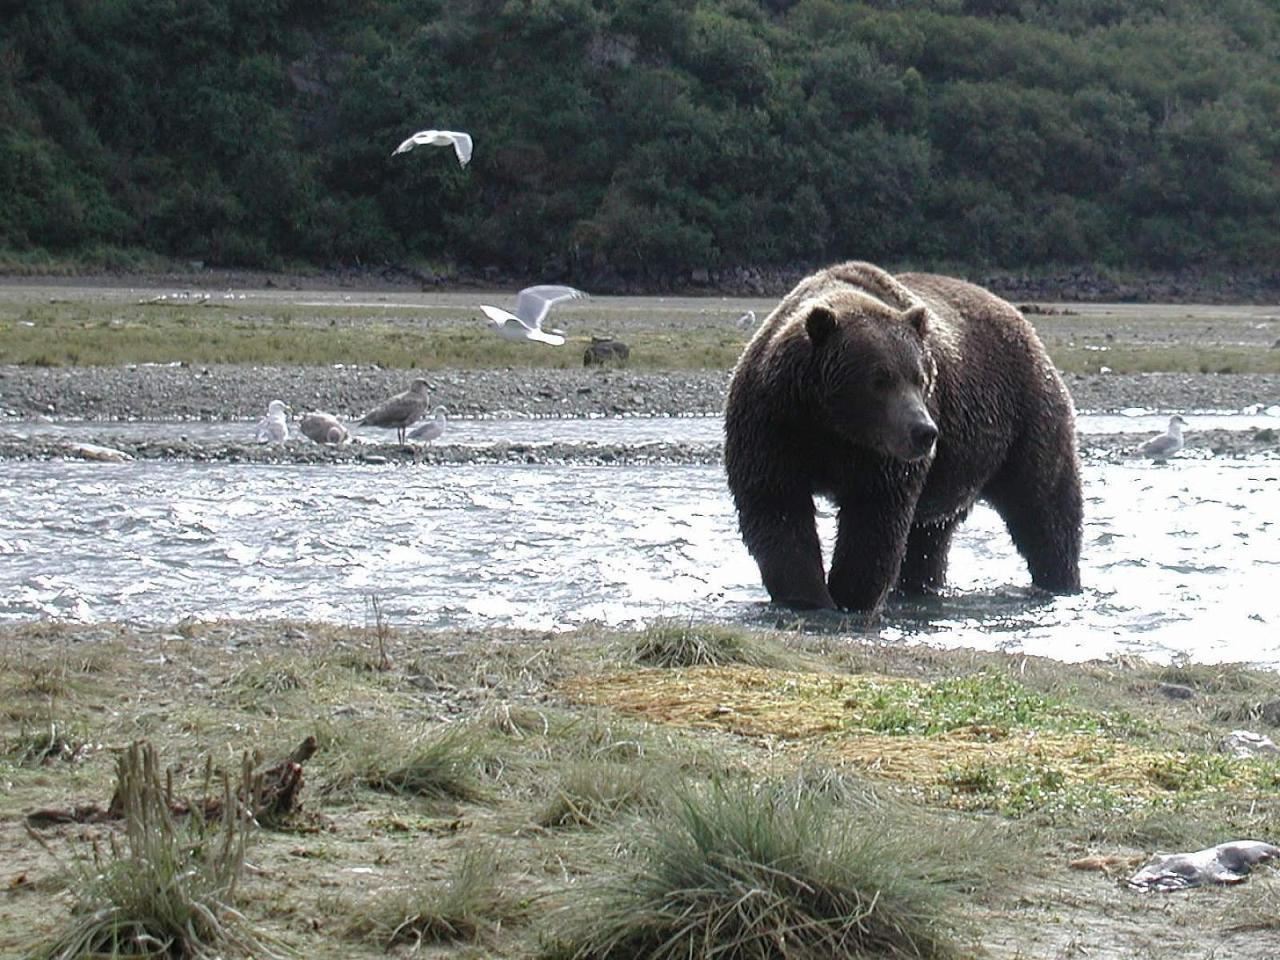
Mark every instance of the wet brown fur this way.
pixel 825 399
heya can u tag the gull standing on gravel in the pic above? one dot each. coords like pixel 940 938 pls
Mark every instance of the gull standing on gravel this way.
pixel 1165 444
pixel 532 306
pixel 401 410
pixel 273 428
pixel 747 321
pixel 432 429
pixel 461 143
pixel 323 428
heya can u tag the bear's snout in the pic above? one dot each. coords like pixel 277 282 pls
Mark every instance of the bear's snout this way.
pixel 924 437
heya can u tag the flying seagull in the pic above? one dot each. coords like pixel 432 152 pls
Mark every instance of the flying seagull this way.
pixel 323 428
pixel 401 410
pixel 1165 444
pixel 273 428
pixel 431 429
pixel 440 138
pixel 532 305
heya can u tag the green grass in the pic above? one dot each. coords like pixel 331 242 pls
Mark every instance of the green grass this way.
pixel 589 793
pixel 675 644
pixel 110 334
pixel 438 764
pixel 265 332
pixel 989 700
pixel 1159 358
pixel 742 873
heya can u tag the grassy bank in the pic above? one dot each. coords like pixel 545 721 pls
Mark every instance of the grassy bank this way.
pixel 448 332
pixel 675 792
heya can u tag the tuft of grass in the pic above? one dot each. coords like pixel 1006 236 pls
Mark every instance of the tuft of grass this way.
pixel 588 794
pixel 167 887
pixel 46 743
pixel 1215 677
pixel 673 644
pixel 268 678
pixel 440 765
pixel 467 905
pixel 744 873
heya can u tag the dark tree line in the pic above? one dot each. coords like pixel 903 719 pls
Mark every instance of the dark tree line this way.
pixel 645 138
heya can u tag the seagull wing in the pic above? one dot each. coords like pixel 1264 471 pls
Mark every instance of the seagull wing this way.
pixel 461 146
pixel 500 316
pixel 1160 446
pixel 533 303
pixel 554 339
pixel 402 409
pixel 431 430
pixel 262 433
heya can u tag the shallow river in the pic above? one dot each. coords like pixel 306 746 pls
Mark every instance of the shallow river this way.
pixel 603 430
pixel 1181 558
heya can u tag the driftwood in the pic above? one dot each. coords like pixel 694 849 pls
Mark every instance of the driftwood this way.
pixel 268 794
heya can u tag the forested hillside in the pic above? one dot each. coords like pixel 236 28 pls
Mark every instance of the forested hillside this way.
pixel 645 139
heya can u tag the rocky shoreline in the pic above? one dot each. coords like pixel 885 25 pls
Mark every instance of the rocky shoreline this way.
pixel 229 393
pixel 239 394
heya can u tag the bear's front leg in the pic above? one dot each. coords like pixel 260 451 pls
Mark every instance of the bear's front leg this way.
pixel 870 545
pixel 924 566
pixel 781 534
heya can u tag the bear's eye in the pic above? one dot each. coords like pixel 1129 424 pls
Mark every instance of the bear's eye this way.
pixel 882 379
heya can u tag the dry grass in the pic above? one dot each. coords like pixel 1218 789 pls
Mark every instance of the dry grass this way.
pixel 436 764
pixel 552 762
pixel 470 904
pixel 167 887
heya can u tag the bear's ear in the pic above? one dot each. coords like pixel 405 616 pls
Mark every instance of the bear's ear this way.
pixel 820 325
pixel 918 317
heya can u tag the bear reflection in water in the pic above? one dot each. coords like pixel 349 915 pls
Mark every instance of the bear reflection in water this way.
pixel 904 399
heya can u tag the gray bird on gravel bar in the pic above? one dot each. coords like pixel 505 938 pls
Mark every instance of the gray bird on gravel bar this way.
pixel 401 410
pixel 1167 443
pixel 431 429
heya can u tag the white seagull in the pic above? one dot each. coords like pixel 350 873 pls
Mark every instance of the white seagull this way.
pixel 323 428
pixel 273 428
pixel 747 320
pixel 431 429
pixel 532 305
pixel 1167 443
pixel 461 143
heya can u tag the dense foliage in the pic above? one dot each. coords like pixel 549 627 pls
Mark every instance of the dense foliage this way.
pixel 645 138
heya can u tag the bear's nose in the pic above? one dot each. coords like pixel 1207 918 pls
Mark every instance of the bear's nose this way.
pixel 923 436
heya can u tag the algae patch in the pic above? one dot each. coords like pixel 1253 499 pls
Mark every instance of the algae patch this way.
pixel 977 741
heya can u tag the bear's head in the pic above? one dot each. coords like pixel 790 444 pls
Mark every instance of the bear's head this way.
pixel 872 372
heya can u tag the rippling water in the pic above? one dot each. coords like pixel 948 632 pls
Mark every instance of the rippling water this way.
pixel 1180 558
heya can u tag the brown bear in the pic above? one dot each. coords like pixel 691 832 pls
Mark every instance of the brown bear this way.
pixel 904 400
